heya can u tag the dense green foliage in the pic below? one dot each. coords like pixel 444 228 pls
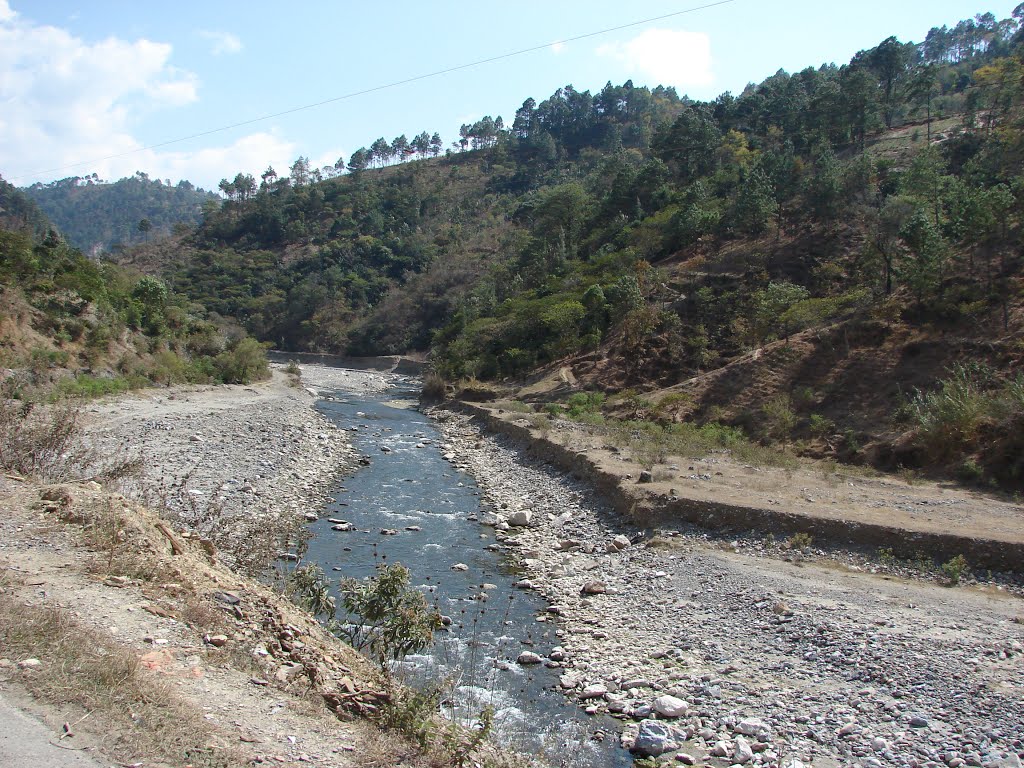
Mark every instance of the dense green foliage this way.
pixel 94 215
pixel 527 242
pixel 18 213
pixel 110 329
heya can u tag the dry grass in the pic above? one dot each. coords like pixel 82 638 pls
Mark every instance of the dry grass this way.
pixel 136 715
pixel 45 441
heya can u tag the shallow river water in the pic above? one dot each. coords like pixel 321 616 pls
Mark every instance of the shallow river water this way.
pixel 409 488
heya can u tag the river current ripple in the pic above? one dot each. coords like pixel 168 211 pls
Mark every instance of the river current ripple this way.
pixel 410 489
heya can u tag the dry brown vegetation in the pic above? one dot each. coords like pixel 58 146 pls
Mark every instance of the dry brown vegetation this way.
pixel 78 666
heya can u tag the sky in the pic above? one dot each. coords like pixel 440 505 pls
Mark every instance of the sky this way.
pixel 177 90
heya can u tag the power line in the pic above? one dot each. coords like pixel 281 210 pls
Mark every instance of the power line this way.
pixel 387 86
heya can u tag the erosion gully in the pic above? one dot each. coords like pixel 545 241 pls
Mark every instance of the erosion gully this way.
pixel 410 505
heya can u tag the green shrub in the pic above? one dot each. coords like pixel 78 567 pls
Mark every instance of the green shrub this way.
pixel 241 363
pixel 800 540
pixel 778 419
pixel 821 426
pixel 86 387
pixel 582 403
pixel 387 618
pixel 954 569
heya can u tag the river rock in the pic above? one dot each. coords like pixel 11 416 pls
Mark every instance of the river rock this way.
pixel 460 567
pixel 594 691
pixel 654 738
pixel 721 749
pixel 753 727
pixel 742 753
pixel 529 657
pixel 520 518
pixel 618 544
pixel 670 706
pixel 594 588
pixel 996 760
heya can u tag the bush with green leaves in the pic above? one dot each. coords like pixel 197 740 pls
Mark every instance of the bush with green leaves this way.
pixel 951 419
pixel 385 616
pixel 954 569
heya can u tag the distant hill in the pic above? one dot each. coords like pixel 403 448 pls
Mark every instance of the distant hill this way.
pixel 98 216
pixel 19 213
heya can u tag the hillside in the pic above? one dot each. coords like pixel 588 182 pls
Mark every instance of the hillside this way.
pixel 862 217
pixel 97 216
pixel 72 326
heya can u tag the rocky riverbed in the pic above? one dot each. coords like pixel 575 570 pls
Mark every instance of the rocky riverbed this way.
pixel 723 653
pixel 234 461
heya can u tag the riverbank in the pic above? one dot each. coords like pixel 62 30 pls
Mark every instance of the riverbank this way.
pixel 234 462
pixel 770 661
pixel 132 641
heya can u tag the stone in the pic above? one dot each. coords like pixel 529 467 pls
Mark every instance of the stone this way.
pixel 594 588
pixel 670 706
pixel 996 760
pixel 686 758
pixel 529 657
pixel 721 749
pixel 753 727
pixel 520 518
pixel 569 680
pixel 917 721
pixel 594 691
pixel 742 753
pixel 32 663
pixel 617 544
pixel 637 682
pixel 654 738
pixel 217 641
pixel 460 567
pixel 646 477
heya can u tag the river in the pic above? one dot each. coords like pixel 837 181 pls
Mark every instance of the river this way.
pixel 410 505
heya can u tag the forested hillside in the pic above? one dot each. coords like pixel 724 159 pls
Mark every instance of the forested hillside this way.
pixel 98 216
pixel 828 242
pixel 72 326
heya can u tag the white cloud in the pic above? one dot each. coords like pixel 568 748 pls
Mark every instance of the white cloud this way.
pixel 65 100
pixel 666 56
pixel 223 42
pixel 558 47
pixel 206 167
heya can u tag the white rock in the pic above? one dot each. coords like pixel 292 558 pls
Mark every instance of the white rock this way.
pixel 670 706
pixel 529 657
pixel 594 691
pixel 753 727
pixel 721 749
pixel 460 567
pixel 742 753
pixel 520 518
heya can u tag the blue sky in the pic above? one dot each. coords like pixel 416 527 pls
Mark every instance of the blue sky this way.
pixel 80 81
